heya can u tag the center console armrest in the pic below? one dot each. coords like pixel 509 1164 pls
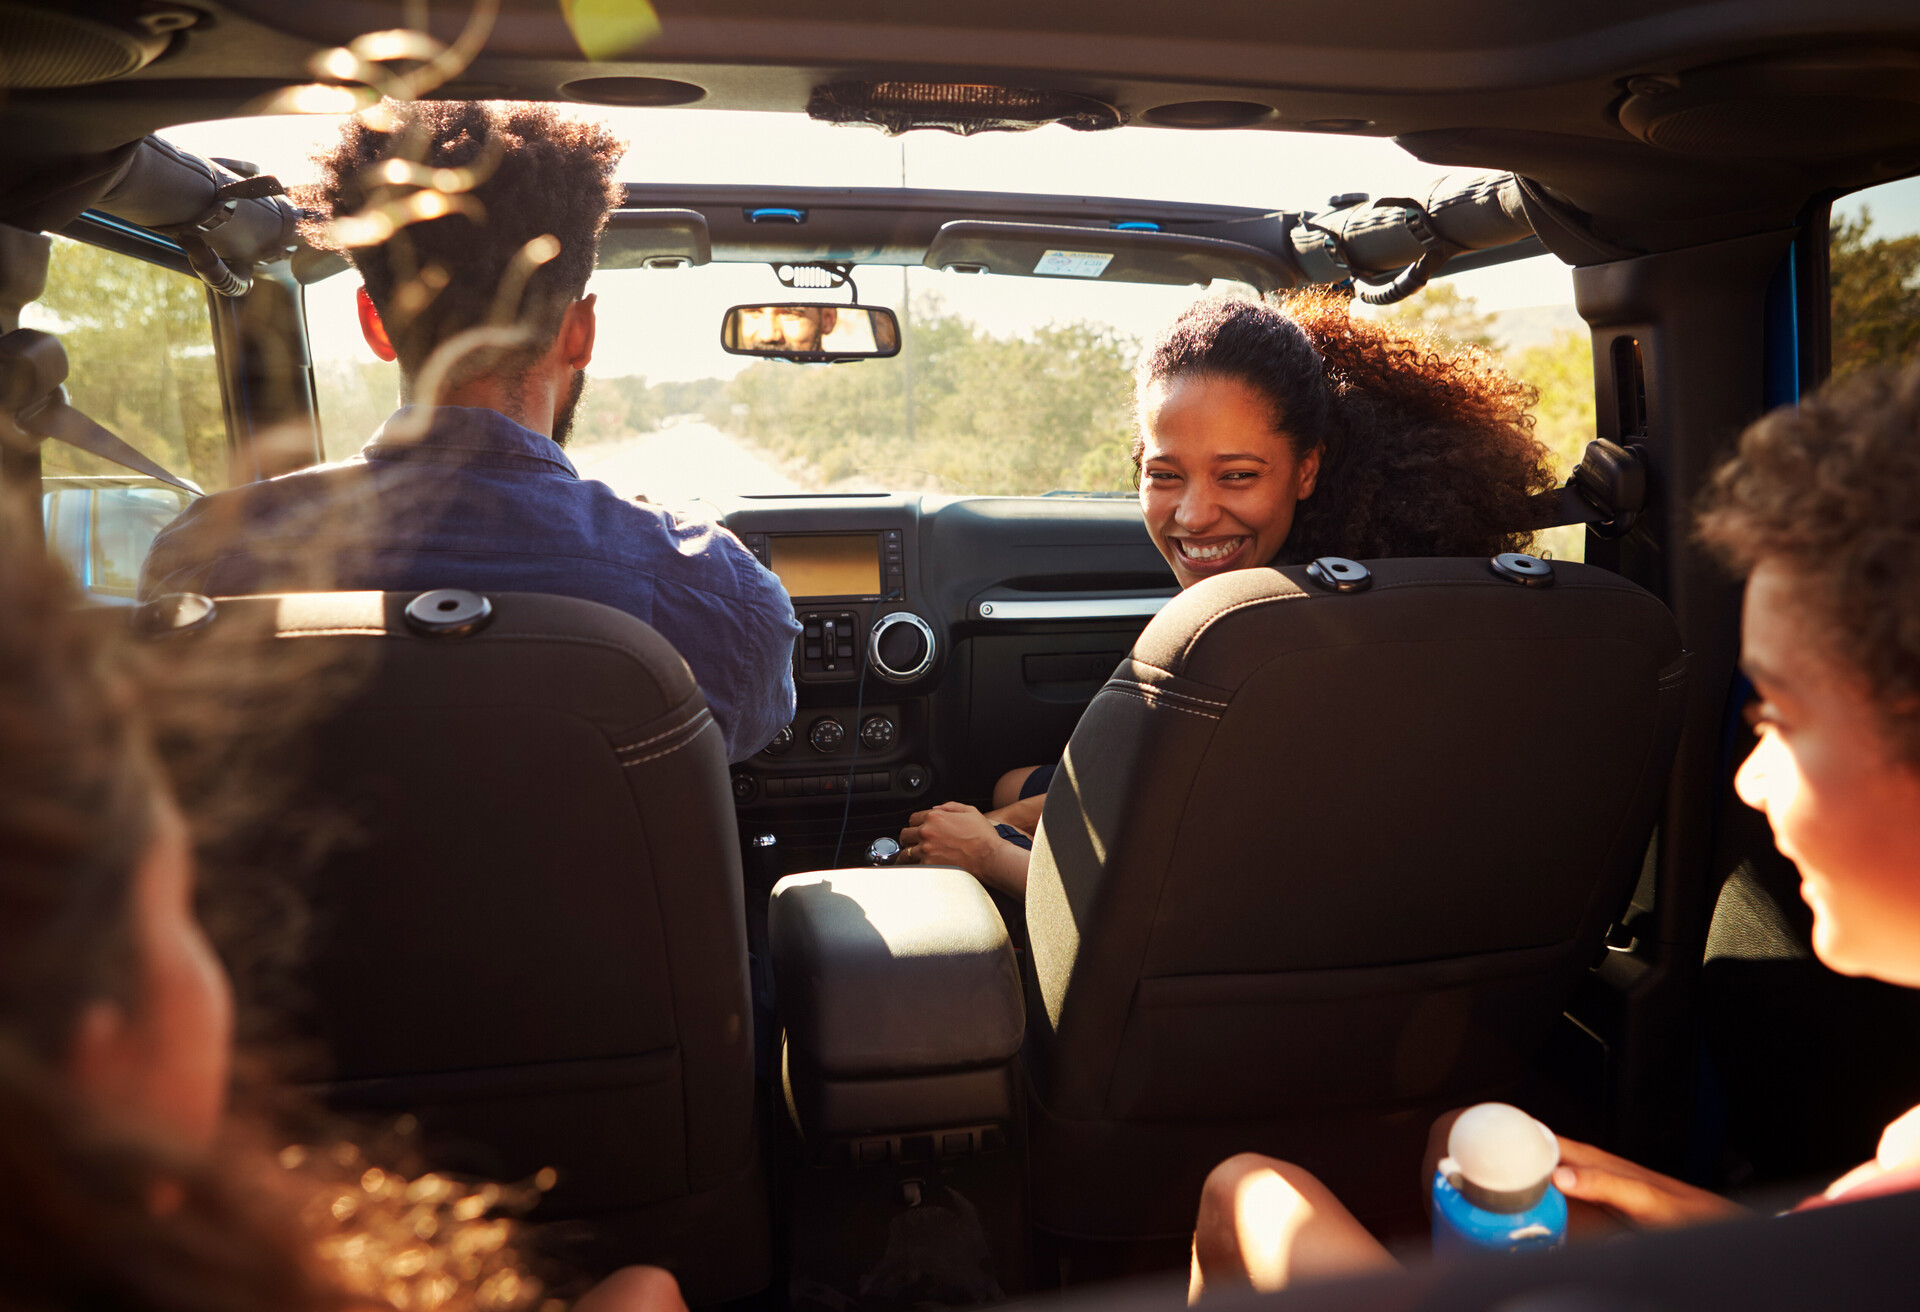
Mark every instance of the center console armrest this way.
pixel 901 1003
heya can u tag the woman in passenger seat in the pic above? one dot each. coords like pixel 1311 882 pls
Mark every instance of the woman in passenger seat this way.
pixel 123 1181
pixel 1276 435
pixel 1818 509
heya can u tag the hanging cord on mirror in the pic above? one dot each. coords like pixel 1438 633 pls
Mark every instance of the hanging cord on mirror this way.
pixel 859 709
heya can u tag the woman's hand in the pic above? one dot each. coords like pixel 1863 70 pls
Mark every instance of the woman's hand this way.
pixel 955 834
pixel 1642 1198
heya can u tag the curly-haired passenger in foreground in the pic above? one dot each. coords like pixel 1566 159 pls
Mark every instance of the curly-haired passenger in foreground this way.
pixel 1821 511
pixel 1276 435
pixel 485 308
pixel 124 1180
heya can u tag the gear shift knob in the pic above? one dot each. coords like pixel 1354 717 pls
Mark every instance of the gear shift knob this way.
pixel 883 851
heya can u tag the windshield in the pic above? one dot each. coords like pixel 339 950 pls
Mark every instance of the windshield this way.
pixel 1004 385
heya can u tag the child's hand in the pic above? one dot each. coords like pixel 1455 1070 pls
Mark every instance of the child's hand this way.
pixel 1640 1197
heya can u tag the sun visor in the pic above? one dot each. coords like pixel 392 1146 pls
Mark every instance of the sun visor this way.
pixel 1046 250
pixel 655 239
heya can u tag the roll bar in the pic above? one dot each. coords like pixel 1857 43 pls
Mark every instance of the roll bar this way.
pixel 1393 245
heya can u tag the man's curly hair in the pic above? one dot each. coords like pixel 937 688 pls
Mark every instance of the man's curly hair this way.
pixel 1427 450
pixel 542 174
pixel 1830 490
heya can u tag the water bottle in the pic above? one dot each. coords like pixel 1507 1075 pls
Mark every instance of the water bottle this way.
pixel 1493 1191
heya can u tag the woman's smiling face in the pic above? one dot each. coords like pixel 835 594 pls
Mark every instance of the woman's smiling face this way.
pixel 1218 482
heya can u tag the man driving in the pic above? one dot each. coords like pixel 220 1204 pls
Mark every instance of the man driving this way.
pixel 474 228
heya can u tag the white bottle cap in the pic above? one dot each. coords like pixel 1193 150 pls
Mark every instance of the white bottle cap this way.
pixel 1501 1149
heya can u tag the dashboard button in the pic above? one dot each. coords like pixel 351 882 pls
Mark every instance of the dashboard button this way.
pixel 827 734
pixel 913 778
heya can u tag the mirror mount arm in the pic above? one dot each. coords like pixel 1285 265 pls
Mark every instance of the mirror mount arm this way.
pixel 838 274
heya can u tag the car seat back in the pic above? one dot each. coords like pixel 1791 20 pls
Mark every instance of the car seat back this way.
pixel 1321 863
pixel 531 934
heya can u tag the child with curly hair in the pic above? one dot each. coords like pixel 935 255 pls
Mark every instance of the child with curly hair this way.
pixel 1820 510
pixel 124 1180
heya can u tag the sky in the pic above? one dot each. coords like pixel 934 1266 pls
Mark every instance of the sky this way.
pixel 643 313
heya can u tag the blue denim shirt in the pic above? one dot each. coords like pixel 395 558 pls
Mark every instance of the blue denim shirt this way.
pixel 479 502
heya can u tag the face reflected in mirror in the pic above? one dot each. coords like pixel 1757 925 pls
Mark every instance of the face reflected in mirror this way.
pixel 833 331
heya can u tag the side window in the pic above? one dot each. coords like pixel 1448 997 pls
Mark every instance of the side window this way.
pixel 139 347
pixel 1873 260
pixel 126 521
pixel 356 391
pixel 140 355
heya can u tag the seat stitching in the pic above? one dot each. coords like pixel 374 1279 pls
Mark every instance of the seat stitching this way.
pixel 1120 685
pixel 688 730
pixel 670 750
pixel 1198 633
pixel 1155 702
pixel 664 733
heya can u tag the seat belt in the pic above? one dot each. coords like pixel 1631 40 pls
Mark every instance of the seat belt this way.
pixel 1606 492
pixel 34 408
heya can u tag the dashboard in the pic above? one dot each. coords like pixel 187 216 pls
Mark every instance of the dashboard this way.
pixel 944 641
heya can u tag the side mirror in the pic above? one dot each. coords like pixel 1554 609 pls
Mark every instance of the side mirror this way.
pixel 811 333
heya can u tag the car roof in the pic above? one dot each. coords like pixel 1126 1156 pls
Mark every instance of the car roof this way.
pixel 1667 122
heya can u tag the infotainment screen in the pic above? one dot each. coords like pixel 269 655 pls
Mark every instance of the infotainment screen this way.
pixel 819 565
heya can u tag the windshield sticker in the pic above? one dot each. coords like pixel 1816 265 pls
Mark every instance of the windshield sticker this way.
pixel 1074 264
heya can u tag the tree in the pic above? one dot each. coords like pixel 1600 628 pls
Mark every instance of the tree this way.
pixel 992 415
pixel 140 345
pixel 1876 295
pixel 1562 372
pixel 1440 311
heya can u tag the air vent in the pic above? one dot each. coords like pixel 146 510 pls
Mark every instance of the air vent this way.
pixel 957 107
pixel 1810 107
pixel 83 44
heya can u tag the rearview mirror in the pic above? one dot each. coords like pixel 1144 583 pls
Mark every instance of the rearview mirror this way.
pixel 812 332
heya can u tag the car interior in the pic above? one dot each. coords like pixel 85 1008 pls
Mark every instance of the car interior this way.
pixel 1495 854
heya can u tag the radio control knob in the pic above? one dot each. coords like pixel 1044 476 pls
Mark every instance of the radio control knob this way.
pixel 876 733
pixel 782 742
pixel 827 734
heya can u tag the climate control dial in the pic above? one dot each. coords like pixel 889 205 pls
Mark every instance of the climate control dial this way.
pixel 876 733
pixel 782 742
pixel 827 734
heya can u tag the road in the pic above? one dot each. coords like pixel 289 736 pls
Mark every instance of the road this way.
pixel 680 463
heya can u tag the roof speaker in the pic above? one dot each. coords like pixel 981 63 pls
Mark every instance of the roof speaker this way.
pixel 1824 106
pixel 82 43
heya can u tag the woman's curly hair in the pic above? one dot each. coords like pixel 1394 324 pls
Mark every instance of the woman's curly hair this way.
pixel 1830 490
pixel 539 174
pixel 1427 449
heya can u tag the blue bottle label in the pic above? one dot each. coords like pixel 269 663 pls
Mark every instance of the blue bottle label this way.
pixel 1461 1227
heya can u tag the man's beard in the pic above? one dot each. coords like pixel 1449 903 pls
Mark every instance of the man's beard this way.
pixel 563 417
